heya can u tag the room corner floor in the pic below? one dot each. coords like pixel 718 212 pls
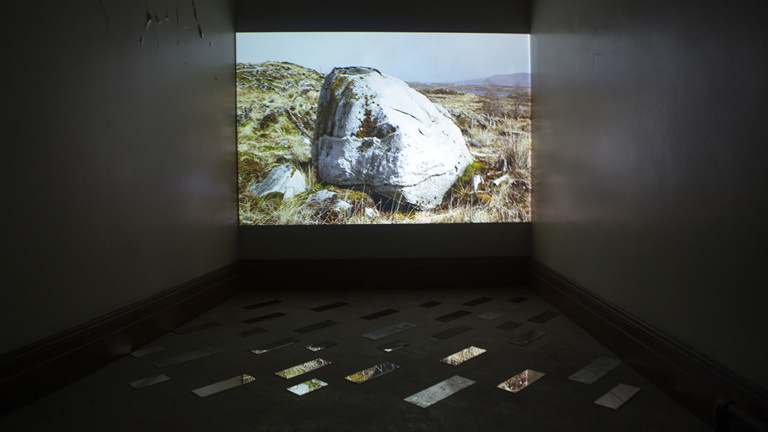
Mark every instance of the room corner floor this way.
pixel 223 339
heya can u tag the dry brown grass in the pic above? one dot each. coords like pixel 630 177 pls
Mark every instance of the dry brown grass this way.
pixel 496 125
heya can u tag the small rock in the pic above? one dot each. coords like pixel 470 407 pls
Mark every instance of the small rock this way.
pixel 501 179
pixel 284 179
pixel 476 181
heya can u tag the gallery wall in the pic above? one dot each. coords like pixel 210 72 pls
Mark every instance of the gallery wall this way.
pixel 649 151
pixel 119 156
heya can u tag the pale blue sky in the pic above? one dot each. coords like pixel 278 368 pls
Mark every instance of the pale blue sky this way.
pixel 426 57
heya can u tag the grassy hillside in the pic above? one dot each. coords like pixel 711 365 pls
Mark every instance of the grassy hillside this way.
pixel 276 110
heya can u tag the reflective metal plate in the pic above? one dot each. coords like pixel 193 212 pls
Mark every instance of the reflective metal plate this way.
pixel 181 358
pixel 274 345
pixel 477 301
pixel 544 317
pixel 379 314
pixel 388 331
pixel 148 351
pixel 197 327
pixel 595 370
pixel 223 385
pixel 262 304
pixel 307 387
pixel 451 332
pixel 527 337
pixel 521 381
pixel 264 317
pixel 617 396
pixel 252 331
pixel 452 316
pixel 302 368
pixel 463 355
pixel 430 304
pixel 509 325
pixel 372 372
pixel 329 306
pixel 320 345
pixel 393 346
pixel 148 381
pixel 315 327
pixel 492 315
pixel 439 391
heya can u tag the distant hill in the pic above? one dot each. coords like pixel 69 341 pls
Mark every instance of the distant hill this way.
pixel 521 79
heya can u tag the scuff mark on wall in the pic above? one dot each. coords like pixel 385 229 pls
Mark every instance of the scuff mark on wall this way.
pixel 106 15
pixel 178 41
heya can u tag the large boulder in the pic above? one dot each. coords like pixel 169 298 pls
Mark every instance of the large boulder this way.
pixel 377 134
pixel 284 179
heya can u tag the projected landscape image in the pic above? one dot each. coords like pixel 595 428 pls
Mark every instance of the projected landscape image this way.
pixel 383 128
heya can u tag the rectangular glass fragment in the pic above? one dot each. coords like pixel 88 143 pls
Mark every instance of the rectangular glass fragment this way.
pixel 392 346
pixel 307 387
pixel 463 355
pixel 274 345
pixel 521 381
pixel 372 372
pixel 617 396
pixel 492 315
pixel 595 370
pixel 451 332
pixel 430 304
pixel 315 327
pixel 544 317
pixel 302 368
pixel 252 331
pixel 379 314
pixel 527 337
pixel 181 358
pixel 148 381
pixel 439 391
pixel 147 351
pixel 264 317
pixel 197 327
pixel 329 306
pixel 223 385
pixel 262 304
pixel 452 316
pixel 509 325
pixel 477 301
pixel 320 345
pixel 388 331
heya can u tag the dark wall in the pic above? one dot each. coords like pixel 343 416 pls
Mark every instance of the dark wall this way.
pixel 118 156
pixel 649 153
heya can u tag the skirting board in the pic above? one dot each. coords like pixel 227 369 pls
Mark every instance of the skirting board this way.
pixel 707 389
pixel 386 273
pixel 37 369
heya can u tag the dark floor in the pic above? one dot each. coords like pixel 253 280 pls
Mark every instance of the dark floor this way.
pixel 104 401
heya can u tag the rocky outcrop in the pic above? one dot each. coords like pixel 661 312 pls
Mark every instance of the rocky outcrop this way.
pixel 374 133
pixel 284 179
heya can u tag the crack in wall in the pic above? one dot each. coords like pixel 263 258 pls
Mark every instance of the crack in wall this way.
pixel 157 20
pixel 197 21
pixel 106 15
pixel 152 19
